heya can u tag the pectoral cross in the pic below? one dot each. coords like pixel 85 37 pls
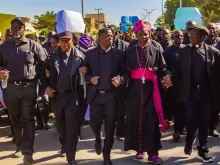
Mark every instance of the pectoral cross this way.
pixel 143 80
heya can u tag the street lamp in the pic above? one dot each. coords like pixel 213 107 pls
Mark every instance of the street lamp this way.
pixel 82 3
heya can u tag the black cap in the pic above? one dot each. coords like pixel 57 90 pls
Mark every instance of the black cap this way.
pixel 18 19
pixel 66 34
pixel 202 29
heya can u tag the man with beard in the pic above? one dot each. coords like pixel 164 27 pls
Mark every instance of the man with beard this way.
pixel 20 94
pixel 214 41
pixel 106 66
pixel 171 55
pixel 198 67
pixel 165 39
pixel 158 34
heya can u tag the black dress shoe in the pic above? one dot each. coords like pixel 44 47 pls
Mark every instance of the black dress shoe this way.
pixel 39 126
pixel 183 132
pixel 107 162
pixel 214 133
pixel 176 136
pixel 98 146
pixel 48 126
pixel 28 160
pixel 17 154
pixel 62 153
pixel 73 163
pixel 188 149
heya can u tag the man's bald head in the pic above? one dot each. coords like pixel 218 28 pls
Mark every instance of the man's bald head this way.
pixel 213 29
pixel 177 32
pixel 190 23
pixel 178 38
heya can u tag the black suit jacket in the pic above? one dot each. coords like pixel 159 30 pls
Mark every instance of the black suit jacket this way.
pixel 184 70
pixel 91 61
pixel 77 62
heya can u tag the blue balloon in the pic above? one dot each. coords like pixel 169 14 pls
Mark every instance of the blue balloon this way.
pixel 125 20
pixel 184 14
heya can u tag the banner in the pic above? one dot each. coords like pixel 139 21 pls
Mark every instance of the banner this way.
pixel 69 21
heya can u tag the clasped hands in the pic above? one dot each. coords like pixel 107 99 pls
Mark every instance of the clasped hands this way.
pixel 166 81
pixel 95 80
pixel 115 81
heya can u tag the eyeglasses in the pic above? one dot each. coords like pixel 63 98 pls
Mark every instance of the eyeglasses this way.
pixel 178 36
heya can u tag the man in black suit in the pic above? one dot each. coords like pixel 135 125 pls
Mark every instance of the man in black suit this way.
pixel 198 65
pixel 66 93
pixel 120 121
pixel 106 66
pixel 171 57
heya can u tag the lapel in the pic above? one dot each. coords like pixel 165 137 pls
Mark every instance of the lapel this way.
pixel 186 69
pixel 76 61
pixel 208 59
pixel 120 45
pixel 151 57
pixel 57 58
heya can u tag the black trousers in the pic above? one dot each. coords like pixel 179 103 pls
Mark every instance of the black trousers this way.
pixel 214 119
pixel 20 101
pixel 103 107
pixel 120 119
pixel 67 122
pixel 42 114
pixel 167 103
pixel 198 112
pixel 179 116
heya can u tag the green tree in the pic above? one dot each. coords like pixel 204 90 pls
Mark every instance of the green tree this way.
pixel 45 21
pixel 171 7
pixel 88 28
pixel 159 22
pixel 210 10
pixel 130 27
pixel 5 22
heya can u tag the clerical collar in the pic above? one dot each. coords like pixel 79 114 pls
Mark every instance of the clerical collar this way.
pixel 198 46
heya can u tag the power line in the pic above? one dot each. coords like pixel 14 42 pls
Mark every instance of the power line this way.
pixel 99 9
pixel 148 13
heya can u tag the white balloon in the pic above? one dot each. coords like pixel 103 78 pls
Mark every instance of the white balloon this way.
pixel 69 21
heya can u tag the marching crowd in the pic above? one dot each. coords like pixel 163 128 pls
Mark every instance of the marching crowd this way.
pixel 138 87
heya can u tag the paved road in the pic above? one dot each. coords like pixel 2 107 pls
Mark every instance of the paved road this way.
pixel 47 148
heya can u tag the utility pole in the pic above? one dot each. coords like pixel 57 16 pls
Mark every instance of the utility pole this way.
pixel 98 15
pixel 162 8
pixel 149 12
pixel 82 3
pixel 181 2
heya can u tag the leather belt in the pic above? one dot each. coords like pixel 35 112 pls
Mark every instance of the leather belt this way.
pixel 60 92
pixel 23 82
pixel 199 86
pixel 103 92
